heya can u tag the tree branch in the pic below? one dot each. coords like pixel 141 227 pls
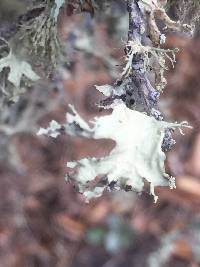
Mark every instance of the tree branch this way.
pixel 141 88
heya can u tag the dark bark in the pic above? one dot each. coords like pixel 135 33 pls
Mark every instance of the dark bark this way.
pixel 149 95
pixel 141 87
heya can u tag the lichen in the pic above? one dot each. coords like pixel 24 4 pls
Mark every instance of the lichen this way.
pixel 154 61
pixel 41 33
pixel 128 163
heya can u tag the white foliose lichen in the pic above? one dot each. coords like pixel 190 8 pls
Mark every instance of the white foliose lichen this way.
pixel 17 68
pixel 137 155
pixel 52 130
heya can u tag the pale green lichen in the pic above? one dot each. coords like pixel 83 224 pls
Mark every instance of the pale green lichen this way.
pixel 18 68
pixel 188 11
pixel 136 156
pixel 154 61
pixel 59 4
pixel 41 34
pixel 52 130
pixel 15 71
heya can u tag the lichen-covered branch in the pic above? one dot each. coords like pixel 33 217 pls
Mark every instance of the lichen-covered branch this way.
pixel 135 124
pixel 139 54
pixel 148 95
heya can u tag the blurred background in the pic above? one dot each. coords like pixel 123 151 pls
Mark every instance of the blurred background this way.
pixel 44 222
